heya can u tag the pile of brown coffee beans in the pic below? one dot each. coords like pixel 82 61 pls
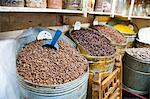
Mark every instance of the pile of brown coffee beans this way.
pixel 111 33
pixel 140 53
pixel 93 42
pixel 47 66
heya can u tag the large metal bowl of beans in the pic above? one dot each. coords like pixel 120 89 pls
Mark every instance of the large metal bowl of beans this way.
pixel 117 39
pixel 47 73
pixel 96 48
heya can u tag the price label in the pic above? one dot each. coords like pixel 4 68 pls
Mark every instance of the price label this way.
pixel 39 1
pixel 95 22
pixel 44 35
pixel 77 26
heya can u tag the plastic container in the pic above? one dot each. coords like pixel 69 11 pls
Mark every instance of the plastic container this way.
pixel 103 5
pixel 57 4
pixel 12 3
pixel 99 5
pixel 36 3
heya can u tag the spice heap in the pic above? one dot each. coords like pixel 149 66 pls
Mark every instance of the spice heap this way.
pixel 140 53
pixel 45 66
pixel 112 34
pixel 124 29
pixel 93 42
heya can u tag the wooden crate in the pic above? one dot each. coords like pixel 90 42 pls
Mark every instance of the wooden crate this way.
pixel 110 87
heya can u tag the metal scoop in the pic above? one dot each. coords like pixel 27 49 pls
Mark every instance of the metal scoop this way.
pixel 53 43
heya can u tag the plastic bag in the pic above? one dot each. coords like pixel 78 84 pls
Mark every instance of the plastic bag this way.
pixel 8 78
pixel 14 3
pixel 36 3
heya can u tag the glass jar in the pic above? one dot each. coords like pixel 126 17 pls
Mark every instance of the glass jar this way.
pixel 57 4
pixel 73 4
pixel 36 3
pixel 98 5
pixel 13 3
pixel 147 9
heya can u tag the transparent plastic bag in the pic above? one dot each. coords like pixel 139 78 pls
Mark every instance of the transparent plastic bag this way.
pixel 36 3
pixel 14 3
pixel 8 78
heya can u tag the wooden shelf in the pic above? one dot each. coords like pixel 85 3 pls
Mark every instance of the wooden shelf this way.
pixel 99 13
pixel 122 15
pixel 26 9
pixel 140 17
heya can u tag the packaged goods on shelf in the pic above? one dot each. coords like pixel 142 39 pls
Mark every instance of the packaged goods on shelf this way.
pixel 57 4
pixel 12 3
pixel 103 5
pixel 141 8
pixel 36 3
pixel 73 4
pixel 91 4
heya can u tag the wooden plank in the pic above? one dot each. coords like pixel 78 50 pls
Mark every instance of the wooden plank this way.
pixel 70 20
pixel 141 22
pixel 17 21
pixel 115 94
pixel 110 78
pixel 100 13
pixel 140 17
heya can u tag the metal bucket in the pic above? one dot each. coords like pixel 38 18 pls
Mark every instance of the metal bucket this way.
pixel 136 64
pixel 136 74
pixel 136 81
pixel 75 89
pixel 130 40
pixel 139 44
pixel 97 63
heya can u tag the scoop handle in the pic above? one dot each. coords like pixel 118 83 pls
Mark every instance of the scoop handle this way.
pixel 56 37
